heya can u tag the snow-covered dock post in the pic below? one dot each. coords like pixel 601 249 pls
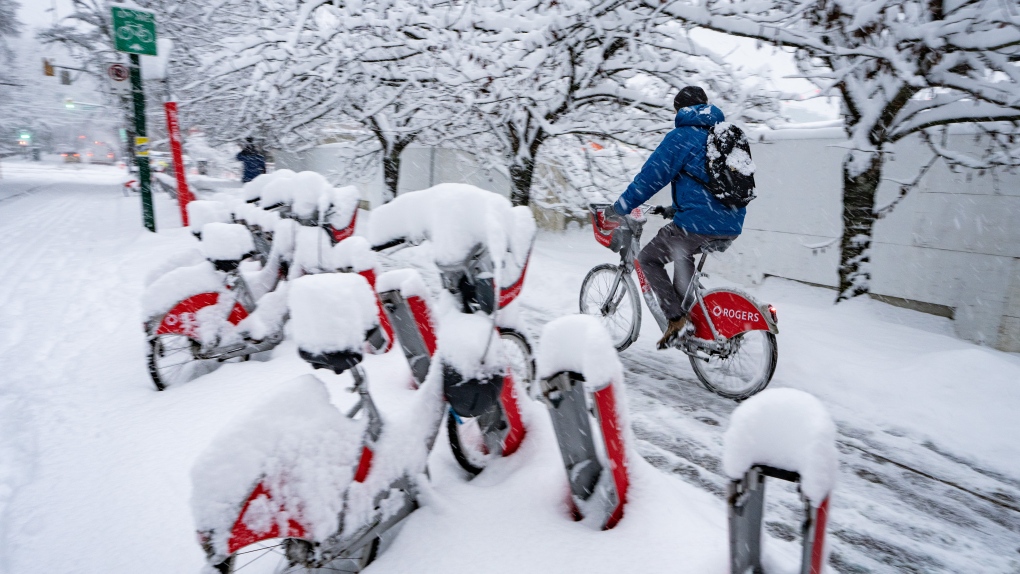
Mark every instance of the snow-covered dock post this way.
pixel 577 357
pixel 789 435
pixel 404 299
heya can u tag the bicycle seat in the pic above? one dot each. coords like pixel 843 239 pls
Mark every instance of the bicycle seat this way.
pixel 228 265
pixel 336 361
pixel 716 246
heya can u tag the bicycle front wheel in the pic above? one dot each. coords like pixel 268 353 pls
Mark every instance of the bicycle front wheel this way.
pixel 517 351
pixel 745 369
pixel 614 303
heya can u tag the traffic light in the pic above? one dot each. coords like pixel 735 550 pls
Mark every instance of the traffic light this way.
pixel 69 103
pixel 47 68
pixel 65 77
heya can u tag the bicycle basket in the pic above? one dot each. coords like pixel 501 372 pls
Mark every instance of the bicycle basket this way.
pixel 602 228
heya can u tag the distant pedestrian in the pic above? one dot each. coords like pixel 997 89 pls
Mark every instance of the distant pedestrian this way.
pixel 254 161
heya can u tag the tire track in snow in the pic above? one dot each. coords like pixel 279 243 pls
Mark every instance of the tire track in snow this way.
pixel 929 513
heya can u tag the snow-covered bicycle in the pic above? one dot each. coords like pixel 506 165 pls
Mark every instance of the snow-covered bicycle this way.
pixel 731 338
pixel 298 480
pixel 481 248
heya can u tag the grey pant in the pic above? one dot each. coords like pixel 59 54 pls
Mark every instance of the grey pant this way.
pixel 679 246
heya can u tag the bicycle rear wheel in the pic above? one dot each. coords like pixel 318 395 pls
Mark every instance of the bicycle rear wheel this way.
pixel 619 309
pixel 745 370
pixel 172 360
pixel 287 556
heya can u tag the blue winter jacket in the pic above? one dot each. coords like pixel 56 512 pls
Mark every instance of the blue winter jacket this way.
pixel 681 154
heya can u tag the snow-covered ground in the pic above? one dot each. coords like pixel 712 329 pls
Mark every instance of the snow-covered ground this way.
pixel 95 465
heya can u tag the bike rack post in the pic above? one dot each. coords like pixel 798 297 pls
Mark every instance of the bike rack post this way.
pixel 594 459
pixel 402 295
pixel 802 434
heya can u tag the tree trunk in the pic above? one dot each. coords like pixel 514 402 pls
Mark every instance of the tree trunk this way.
pixel 391 174
pixel 860 183
pixel 522 172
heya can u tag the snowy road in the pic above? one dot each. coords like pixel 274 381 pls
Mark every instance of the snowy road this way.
pixel 94 465
pixel 904 502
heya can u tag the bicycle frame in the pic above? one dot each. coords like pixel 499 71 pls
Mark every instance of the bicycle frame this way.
pixel 717 316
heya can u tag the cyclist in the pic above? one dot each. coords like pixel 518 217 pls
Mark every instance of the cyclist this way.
pixel 698 217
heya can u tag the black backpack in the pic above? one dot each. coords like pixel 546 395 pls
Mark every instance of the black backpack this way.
pixel 729 166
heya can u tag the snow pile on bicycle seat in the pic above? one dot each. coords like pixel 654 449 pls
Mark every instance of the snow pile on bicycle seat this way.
pixel 407 281
pixel 454 217
pixel 579 344
pixel 178 284
pixel 252 190
pixel 332 312
pixel 301 448
pixel 279 190
pixel 190 257
pixel 202 211
pixel 226 241
pixel 353 254
pixel 313 251
pixel 340 204
pixel 787 429
pixel 308 189
pixel 470 344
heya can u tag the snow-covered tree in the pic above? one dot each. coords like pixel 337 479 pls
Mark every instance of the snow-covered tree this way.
pixel 298 70
pixel 538 70
pixel 902 68
pixel 9 28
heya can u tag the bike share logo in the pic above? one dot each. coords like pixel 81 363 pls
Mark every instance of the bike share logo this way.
pixel 187 320
pixel 749 316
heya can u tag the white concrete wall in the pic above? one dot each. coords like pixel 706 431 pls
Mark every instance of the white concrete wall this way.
pixel 954 242
pixel 420 168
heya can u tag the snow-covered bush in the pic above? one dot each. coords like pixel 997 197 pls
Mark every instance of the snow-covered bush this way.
pixel 787 429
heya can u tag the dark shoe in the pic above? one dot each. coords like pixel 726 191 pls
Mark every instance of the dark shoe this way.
pixel 674 329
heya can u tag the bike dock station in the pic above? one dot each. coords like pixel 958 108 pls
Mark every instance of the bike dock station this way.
pixel 786 435
pixel 577 359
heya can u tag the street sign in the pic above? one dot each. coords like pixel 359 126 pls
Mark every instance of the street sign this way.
pixel 120 78
pixel 141 146
pixel 134 31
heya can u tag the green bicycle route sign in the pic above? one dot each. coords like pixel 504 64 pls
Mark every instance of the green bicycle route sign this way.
pixel 134 31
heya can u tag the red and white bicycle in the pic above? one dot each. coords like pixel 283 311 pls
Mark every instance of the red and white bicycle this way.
pixel 731 340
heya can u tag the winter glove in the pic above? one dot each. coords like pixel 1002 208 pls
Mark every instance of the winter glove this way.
pixel 612 215
pixel 667 212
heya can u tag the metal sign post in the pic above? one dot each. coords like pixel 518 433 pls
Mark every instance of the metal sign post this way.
pixel 134 32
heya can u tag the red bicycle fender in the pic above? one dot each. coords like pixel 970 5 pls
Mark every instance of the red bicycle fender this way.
pixel 511 408
pixel 732 313
pixel 241 535
pixel 508 294
pixel 341 234
pixel 180 320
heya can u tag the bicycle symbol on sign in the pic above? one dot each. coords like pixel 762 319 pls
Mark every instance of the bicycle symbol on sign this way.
pixel 130 31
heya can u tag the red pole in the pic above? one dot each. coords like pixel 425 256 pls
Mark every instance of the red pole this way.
pixel 173 128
